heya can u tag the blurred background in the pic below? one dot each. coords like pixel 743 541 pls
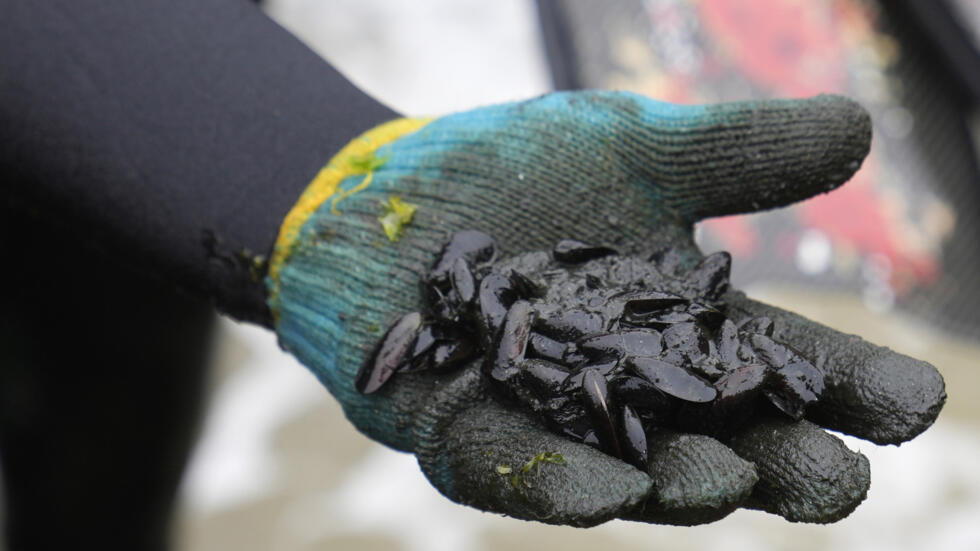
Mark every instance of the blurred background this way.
pixel 893 256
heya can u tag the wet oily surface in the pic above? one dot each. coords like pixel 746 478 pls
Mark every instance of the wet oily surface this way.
pixel 603 348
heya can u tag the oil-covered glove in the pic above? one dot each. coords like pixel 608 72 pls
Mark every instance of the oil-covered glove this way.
pixel 602 167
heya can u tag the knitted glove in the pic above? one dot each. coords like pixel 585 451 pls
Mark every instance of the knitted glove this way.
pixel 602 167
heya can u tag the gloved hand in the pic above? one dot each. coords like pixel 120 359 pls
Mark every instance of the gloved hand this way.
pixel 602 167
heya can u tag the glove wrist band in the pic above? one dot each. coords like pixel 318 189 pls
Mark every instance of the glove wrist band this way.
pixel 357 159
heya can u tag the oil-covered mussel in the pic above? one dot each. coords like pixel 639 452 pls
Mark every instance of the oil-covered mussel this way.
pixel 391 353
pixel 574 252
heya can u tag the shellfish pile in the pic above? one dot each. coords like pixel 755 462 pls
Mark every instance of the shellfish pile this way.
pixel 603 348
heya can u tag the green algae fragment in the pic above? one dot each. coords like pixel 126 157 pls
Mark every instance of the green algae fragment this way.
pixel 543 457
pixel 366 163
pixel 395 216
pixel 504 469
pixel 520 478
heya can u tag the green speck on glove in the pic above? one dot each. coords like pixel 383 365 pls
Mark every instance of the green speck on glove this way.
pixel 397 214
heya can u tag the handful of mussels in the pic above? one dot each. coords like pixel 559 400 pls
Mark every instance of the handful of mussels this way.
pixel 603 348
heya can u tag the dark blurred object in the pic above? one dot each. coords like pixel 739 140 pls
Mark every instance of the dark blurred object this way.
pixel 951 28
pixel 904 231
pixel 101 383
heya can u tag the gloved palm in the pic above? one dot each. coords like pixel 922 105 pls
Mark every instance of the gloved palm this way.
pixel 609 168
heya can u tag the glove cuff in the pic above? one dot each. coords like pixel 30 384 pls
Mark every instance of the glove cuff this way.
pixel 323 272
pixel 357 158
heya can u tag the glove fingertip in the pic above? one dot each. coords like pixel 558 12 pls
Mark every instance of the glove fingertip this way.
pixel 697 480
pixel 887 399
pixel 805 474
pixel 773 153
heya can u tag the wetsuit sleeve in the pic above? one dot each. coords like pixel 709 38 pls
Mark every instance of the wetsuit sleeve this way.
pixel 172 134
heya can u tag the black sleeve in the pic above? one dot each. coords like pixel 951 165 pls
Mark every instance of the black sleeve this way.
pixel 172 134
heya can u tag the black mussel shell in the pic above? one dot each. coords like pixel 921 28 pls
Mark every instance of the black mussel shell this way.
pixel 463 281
pixel 651 308
pixel 794 387
pixel 540 346
pixel 634 439
pixel 449 355
pixel 593 282
pixel 632 342
pixel 711 275
pixel 688 339
pixel 769 351
pixel 523 287
pixel 474 246
pixel 727 344
pixel 390 355
pixel 761 325
pixel 496 297
pixel 707 366
pixel 432 336
pixel 574 381
pixel 575 252
pixel 711 317
pixel 629 389
pixel 595 396
pixel 741 385
pixel 673 379
pixel 503 363
pixel 544 377
pixel 568 325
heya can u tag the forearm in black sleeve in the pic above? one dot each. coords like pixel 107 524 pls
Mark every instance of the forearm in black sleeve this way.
pixel 173 134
